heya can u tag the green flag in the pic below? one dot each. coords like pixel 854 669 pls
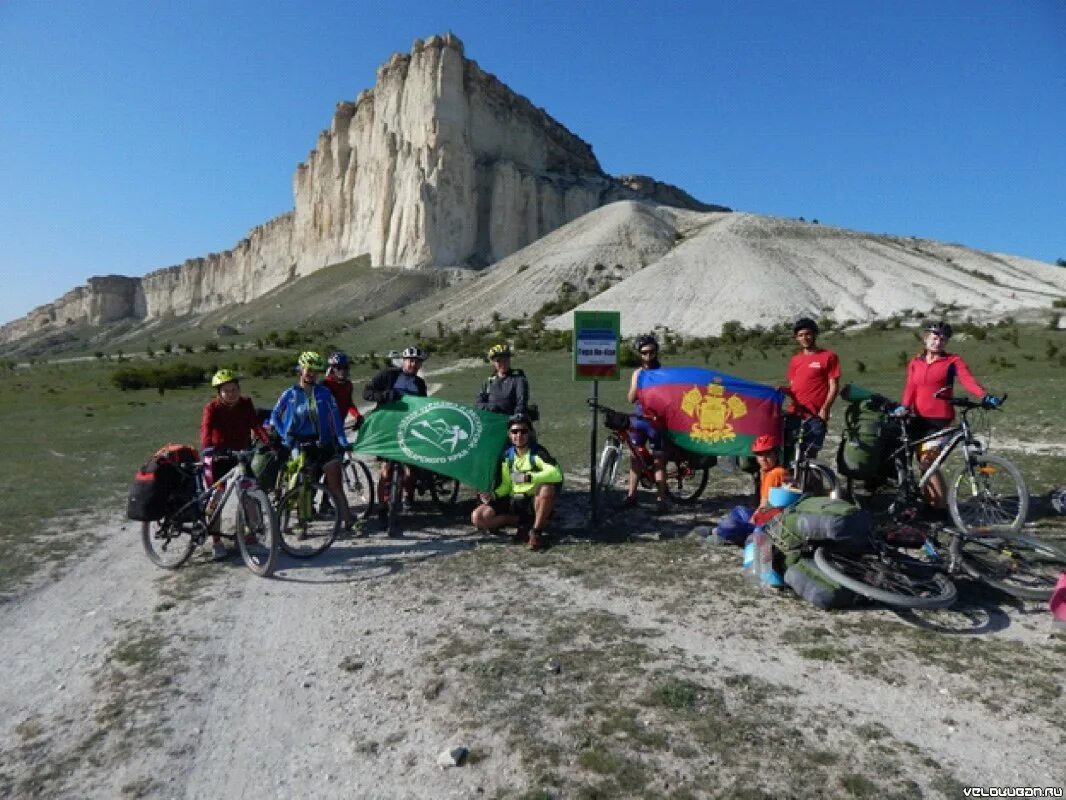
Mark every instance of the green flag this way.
pixel 448 438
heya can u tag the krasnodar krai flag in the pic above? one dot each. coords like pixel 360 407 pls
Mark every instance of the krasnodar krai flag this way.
pixel 710 412
pixel 455 440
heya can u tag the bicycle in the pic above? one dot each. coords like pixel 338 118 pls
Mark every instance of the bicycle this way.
pixel 358 486
pixel 686 473
pixel 170 541
pixel 809 476
pixel 1020 566
pixel 986 493
pixel 443 490
pixel 309 519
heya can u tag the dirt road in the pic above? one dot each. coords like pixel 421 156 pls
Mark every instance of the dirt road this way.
pixel 636 668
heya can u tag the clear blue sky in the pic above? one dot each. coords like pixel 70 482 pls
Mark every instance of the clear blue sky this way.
pixel 134 135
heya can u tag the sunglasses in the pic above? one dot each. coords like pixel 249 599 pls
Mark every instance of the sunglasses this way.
pixel 519 431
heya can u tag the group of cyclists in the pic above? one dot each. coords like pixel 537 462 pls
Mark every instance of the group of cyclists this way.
pixel 311 416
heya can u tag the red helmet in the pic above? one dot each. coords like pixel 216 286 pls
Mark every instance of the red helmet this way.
pixel 764 443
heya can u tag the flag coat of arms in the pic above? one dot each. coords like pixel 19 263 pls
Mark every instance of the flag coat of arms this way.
pixel 709 412
pixel 448 438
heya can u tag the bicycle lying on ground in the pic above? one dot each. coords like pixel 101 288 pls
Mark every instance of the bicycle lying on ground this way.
pixel 1020 566
pixel 686 473
pixel 170 541
pixel 986 493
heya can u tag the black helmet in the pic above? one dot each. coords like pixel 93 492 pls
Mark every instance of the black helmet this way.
pixel 522 419
pixel 805 324
pixel 644 340
pixel 940 327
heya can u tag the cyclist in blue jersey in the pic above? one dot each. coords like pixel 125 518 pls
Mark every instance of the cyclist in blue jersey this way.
pixel 306 415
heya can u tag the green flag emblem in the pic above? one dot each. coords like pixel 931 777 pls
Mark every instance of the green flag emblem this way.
pixel 449 438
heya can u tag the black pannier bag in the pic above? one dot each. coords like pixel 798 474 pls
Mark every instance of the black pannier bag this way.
pixel 165 483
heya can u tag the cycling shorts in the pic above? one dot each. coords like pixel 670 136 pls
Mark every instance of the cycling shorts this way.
pixel 520 506
pixel 924 426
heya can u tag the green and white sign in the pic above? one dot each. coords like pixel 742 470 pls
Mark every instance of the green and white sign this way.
pixel 596 345
pixel 449 438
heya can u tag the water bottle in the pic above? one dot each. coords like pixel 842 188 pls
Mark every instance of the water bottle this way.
pixel 213 501
pixel 764 561
pixel 749 567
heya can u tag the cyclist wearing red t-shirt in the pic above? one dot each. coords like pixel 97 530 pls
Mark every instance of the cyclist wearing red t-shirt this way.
pixel 340 385
pixel 228 423
pixel 928 392
pixel 814 380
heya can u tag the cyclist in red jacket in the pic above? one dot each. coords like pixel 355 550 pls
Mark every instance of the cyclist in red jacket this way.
pixel 228 423
pixel 340 385
pixel 928 392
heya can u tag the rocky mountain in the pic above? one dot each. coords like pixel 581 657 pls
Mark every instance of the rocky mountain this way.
pixel 439 164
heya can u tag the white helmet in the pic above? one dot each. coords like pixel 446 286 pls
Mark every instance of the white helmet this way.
pixel 414 352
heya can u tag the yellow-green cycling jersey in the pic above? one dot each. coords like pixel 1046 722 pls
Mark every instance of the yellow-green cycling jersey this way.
pixel 522 473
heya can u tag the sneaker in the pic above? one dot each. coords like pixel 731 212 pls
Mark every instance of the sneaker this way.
pixel 629 502
pixel 521 535
pixel 536 540
pixel 219 552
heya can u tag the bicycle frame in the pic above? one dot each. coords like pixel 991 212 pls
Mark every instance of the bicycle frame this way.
pixel 957 433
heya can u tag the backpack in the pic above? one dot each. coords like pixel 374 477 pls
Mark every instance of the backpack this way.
pixel 867 433
pixel 814 586
pixel 817 521
pixel 164 483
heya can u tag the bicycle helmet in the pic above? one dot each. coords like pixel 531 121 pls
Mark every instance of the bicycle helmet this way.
pixel 940 327
pixel 224 376
pixel 499 351
pixel 521 419
pixel 644 340
pixel 414 352
pixel 764 444
pixel 805 324
pixel 309 359
pixel 339 359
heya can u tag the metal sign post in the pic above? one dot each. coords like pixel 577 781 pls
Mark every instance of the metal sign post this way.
pixel 595 358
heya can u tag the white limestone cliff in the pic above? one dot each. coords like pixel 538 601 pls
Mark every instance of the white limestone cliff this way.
pixel 440 164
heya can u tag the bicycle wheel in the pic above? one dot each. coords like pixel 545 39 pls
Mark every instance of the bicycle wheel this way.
pixel 608 470
pixel 257 533
pixel 444 490
pixel 685 483
pixel 893 579
pixel 392 524
pixel 359 489
pixel 308 519
pixel 1018 565
pixel 167 543
pixel 996 498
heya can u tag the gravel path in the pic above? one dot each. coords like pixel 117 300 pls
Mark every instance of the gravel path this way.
pixel 124 680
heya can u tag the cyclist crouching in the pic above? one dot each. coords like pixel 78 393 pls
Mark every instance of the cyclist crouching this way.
pixel 529 480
